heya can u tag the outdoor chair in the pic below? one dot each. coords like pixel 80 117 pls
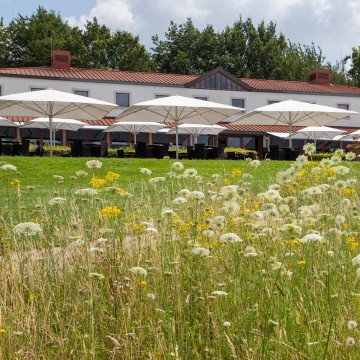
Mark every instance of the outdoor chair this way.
pixel 104 149
pixel 140 150
pixel 25 146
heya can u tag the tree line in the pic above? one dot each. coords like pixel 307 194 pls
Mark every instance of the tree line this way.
pixel 244 49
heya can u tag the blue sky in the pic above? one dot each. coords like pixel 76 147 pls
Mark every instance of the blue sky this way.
pixel 330 24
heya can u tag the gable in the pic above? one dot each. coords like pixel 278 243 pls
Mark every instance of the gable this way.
pixel 217 79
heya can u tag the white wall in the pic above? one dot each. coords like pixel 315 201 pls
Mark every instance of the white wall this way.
pixel 138 93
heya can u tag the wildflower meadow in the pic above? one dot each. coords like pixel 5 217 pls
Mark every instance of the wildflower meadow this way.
pixel 162 259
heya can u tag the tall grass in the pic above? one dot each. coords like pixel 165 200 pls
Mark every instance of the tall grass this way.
pixel 218 260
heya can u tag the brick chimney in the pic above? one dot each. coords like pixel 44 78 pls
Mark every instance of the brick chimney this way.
pixel 319 76
pixel 60 59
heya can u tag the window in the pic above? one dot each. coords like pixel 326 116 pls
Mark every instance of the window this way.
pixel 158 96
pixel 218 81
pixel 0 90
pixel 123 99
pixel 240 103
pixel 272 102
pixel 343 106
pixel 81 93
pixel 36 89
pixel 200 98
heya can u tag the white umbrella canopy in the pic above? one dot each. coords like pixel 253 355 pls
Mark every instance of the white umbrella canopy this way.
pixel 196 130
pixel 179 110
pixel 291 113
pixel 53 103
pixel 57 124
pixel 135 127
pixel 317 133
pixel 6 122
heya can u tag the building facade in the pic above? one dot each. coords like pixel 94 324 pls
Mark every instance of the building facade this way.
pixel 126 88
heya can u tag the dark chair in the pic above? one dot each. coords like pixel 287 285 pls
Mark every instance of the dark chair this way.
pixel 274 152
pixel 86 151
pixel 104 149
pixel 76 148
pixel 190 152
pixel 230 155
pixel 200 151
pixel 218 152
pixel 15 149
pixel 0 146
pixel 120 153
pixel 140 150
pixel 25 145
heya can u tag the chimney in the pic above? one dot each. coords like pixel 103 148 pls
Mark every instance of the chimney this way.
pixel 319 76
pixel 60 59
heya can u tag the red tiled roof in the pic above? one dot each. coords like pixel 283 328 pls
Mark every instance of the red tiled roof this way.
pixel 283 86
pixel 299 86
pixel 100 75
pixel 228 126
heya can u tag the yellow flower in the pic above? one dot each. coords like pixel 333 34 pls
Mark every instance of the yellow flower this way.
pixel 348 192
pixel 301 262
pixel 2 330
pixel 110 211
pixel 330 172
pixel 138 228
pixel 97 182
pixel 294 242
pixel 142 282
pixel 227 181
pixel 111 176
pixel 15 183
pixel 351 241
pixel 236 172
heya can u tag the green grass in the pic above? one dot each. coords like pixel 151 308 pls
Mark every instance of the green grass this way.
pixel 69 291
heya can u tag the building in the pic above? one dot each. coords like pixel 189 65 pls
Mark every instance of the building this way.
pixel 126 88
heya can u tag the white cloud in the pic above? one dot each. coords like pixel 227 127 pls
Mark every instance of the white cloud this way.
pixel 116 14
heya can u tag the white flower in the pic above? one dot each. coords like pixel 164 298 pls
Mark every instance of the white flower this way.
pixel 168 212
pixel 146 171
pixel 58 178
pixel 230 237
pixel 350 341
pixel 339 152
pixel 250 252
pixel 309 148
pixel 179 200
pixel 96 276
pixel 302 159
pixel 326 163
pixel 96 250
pixel 336 159
pixel 8 167
pixel 27 229
pixel 101 241
pixel 350 156
pixel 197 195
pixel 341 170
pixel 255 163
pixel 94 164
pixel 137 270
pixel 81 173
pixel 230 208
pixel 311 238
pixel 177 166
pixel 151 230
pixel 76 243
pixel 184 192
pixel 208 233
pixel 226 323
pixel 358 273
pixel 219 293
pixel 86 192
pixel 57 201
pixel 356 260
pixel 156 180
pixel 352 324
pixel 200 251
pixel 190 172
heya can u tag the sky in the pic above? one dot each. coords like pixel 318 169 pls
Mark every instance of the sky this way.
pixel 333 25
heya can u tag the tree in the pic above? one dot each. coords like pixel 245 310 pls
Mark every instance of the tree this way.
pixel 354 71
pixel 32 38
